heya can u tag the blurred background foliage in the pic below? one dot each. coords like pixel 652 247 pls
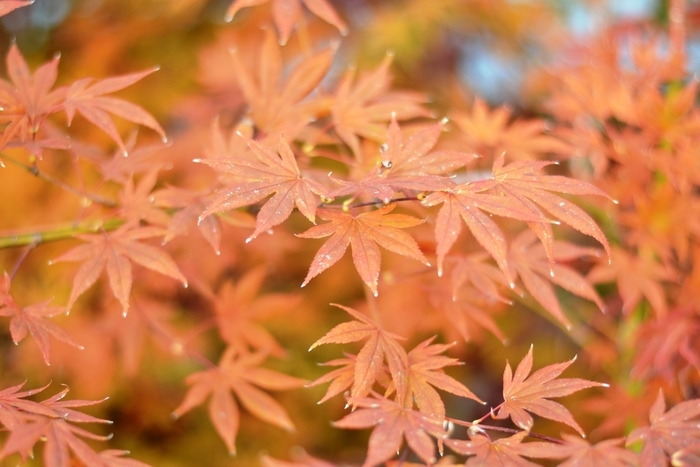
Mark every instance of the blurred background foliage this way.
pixel 452 50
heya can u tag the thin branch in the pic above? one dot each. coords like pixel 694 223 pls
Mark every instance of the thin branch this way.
pixel 34 170
pixel 503 430
pixel 377 203
pixel 13 240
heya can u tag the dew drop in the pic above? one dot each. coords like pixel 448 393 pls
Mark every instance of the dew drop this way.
pixel 561 204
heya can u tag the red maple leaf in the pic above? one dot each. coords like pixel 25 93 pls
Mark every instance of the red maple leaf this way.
pixel 523 394
pixel 114 252
pixel 238 374
pixel 406 165
pixel 364 232
pixel 255 180
pixel 287 13
pixel 368 366
pixel 392 423
pixel 669 433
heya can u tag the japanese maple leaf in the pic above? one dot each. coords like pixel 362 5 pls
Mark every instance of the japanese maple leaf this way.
pixel 528 261
pixel 114 251
pixel 14 406
pixel 238 374
pixel 668 433
pixel 392 423
pixel 645 282
pixel 465 203
pixel 489 132
pixel 7 6
pixel 364 232
pixel 271 173
pixel 239 309
pixel 578 452
pixel 87 97
pixel 360 109
pixel 190 205
pixel 275 105
pixel 136 203
pixel 483 277
pixel 287 13
pixel 523 394
pixel 406 165
pixel 520 185
pixel 368 366
pixel 341 378
pixel 32 320
pixel 426 372
pixel 27 99
pixel 501 452
pixel 55 426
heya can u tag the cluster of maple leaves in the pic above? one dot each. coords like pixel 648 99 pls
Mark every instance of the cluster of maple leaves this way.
pixel 342 159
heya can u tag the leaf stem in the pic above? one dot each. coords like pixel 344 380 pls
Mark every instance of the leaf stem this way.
pixel 34 170
pixel 13 240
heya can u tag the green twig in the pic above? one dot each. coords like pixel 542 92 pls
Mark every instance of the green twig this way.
pixel 13 240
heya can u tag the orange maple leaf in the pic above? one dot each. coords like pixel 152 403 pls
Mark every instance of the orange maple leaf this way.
pixel 238 374
pixel 523 394
pixel 275 106
pixel 287 13
pixel 114 252
pixel 368 366
pixel 406 165
pixel 87 97
pixel 32 320
pixel 255 180
pixel 362 110
pixel 364 233
pixel 392 423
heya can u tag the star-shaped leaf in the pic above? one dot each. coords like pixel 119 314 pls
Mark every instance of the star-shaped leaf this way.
pixel 255 180
pixel 407 165
pixel 364 232
pixel 392 424
pixel 238 374
pixel 114 251
pixel 494 453
pixel 368 366
pixel 523 394
pixel 668 433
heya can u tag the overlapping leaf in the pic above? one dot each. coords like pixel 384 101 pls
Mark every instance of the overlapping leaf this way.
pixel 52 421
pixel 520 184
pixel 528 261
pixel 275 106
pixel 523 393
pixel 368 366
pixel 238 374
pixel 255 180
pixel 406 165
pixel 392 423
pixel 669 433
pixel 364 233
pixel 578 452
pixel 494 453
pixel 114 252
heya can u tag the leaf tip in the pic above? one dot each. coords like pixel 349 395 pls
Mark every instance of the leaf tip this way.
pixel 174 415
